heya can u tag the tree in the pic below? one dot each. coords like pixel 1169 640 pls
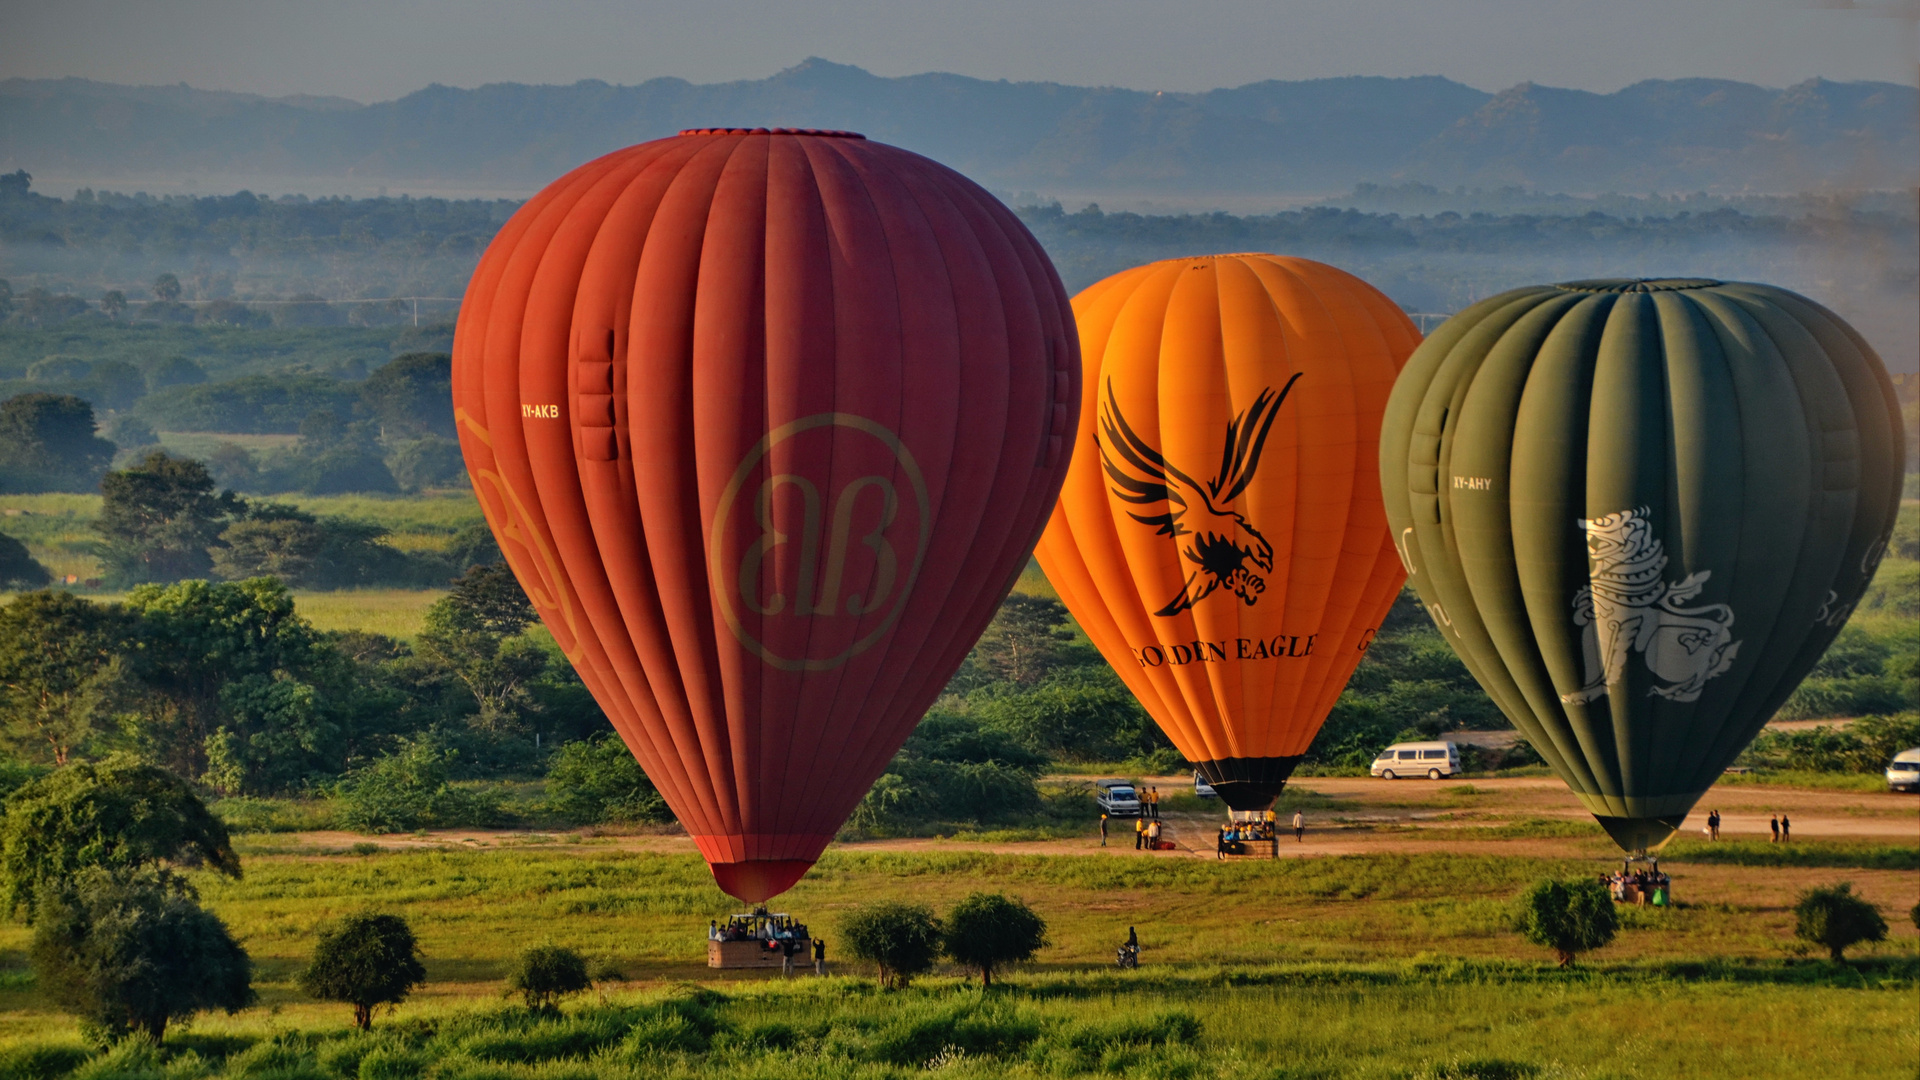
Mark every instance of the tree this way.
pixel 160 518
pixel 129 951
pixel 18 568
pixel 475 634
pixel 1025 640
pixel 237 656
pixel 175 371
pixel 364 960
pixel 412 395
pixel 306 552
pixel 409 789
pixel 118 813
pixel 544 974
pixel 166 288
pixel 1836 918
pixel 114 303
pixel 48 443
pixel 59 660
pixel 427 462
pixel 596 780
pixel 985 931
pixel 1568 917
pixel 903 939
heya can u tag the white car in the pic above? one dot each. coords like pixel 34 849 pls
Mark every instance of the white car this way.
pixel 1432 760
pixel 1117 798
pixel 1202 788
pixel 1903 772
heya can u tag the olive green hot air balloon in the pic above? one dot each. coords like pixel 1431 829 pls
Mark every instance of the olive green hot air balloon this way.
pixel 1640 511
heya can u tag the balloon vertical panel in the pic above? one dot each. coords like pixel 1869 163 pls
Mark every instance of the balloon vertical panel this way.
pixel 1220 535
pixel 1640 510
pixel 793 407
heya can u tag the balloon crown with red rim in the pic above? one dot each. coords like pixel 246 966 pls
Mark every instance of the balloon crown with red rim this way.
pixel 822 133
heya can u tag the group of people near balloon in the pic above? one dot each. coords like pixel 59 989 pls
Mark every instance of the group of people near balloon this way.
pixel 768 422
pixel 1640 887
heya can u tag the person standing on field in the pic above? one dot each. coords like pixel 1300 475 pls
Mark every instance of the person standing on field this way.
pixel 819 956
pixel 1299 828
pixel 1139 832
pixel 1103 830
pixel 1786 828
pixel 1775 824
pixel 1713 824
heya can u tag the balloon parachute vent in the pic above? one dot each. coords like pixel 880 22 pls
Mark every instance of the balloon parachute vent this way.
pixel 1637 836
pixel 818 133
pixel 1637 285
pixel 758 881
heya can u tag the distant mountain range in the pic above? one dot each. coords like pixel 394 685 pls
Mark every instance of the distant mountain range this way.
pixel 1307 138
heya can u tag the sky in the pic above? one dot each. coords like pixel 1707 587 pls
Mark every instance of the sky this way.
pixel 375 50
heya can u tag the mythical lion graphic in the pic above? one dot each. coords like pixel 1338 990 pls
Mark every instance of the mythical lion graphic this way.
pixel 1631 608
pixel 1225 547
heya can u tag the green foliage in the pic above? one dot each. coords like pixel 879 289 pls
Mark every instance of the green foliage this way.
pixel 309 552
pixel 409 789
pixel 1864 746
pixel 47 443
pixel 160 518
pixel 595 781
pixel 475 634
pixel 1834 918
pixel 985 931
pixel 544 974
pixel 412 395
pixel 118 814
pixel 61 675
pixel 364 960
pixel 902 939
pixel 1026 639
pixel 1568 917
pixel 128 951
pixel 953 768
pixel 250 403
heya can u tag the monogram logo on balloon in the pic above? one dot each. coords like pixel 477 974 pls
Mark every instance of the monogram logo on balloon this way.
pixel 817 540
pixel 1223 546
pixel 1630 608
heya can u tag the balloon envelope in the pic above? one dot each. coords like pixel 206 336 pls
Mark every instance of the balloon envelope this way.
pixel 1640 511
pixel 766 423
pixel 1220 536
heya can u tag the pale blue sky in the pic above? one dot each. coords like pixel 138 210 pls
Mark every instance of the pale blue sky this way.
pixel 373 50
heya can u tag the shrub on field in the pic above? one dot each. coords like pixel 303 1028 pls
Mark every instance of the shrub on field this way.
pixel 364 960
pixel 985 931
pixel 1568 917
pixel 1864 746
pixel 597 780
pixel 409 789
pixel 544 974
pixel 118 813
pixel 903 939
pixel 1835 918
pixel 127 951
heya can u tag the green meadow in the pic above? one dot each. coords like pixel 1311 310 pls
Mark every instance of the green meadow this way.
pixel 1388 966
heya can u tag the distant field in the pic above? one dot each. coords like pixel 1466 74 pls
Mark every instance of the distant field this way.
pixel 57 529
pixel 396 613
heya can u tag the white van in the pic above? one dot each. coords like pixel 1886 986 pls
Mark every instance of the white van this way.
pixel 1116 798
pixel 1903 772
pixel 1432 760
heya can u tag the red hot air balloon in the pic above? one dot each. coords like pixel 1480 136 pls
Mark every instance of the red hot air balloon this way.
pixel 767 423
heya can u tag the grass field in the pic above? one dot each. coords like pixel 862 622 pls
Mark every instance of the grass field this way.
pixel 58 529
pixel 1360 967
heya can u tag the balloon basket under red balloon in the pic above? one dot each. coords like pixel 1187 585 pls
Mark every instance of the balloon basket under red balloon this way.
pixel 759 880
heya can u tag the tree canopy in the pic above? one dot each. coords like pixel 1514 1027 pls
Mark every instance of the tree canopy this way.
pixel 118 814
pixel 986 931
pixel 160 518
pixel 48 443
pixel 364 960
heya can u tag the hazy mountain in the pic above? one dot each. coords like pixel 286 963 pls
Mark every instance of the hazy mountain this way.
pixel 1272 137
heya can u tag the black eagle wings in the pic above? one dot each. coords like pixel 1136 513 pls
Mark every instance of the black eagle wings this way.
pixel 1223 546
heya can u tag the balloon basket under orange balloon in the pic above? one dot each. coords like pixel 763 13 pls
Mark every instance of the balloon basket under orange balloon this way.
pixel 759 880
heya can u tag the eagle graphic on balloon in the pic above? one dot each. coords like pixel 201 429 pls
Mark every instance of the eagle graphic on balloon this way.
pixel 1221 541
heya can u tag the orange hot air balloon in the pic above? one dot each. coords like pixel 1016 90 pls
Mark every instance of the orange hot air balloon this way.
pixel 766 423
pixel 1221 535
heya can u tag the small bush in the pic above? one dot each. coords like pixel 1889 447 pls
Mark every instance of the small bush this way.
pixel 1837 919
pixel 544 974
pixel 987 930
pixel 903 939
pixel 364 960
pixel 1568 917
pixel 409 790
pixel 596 780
